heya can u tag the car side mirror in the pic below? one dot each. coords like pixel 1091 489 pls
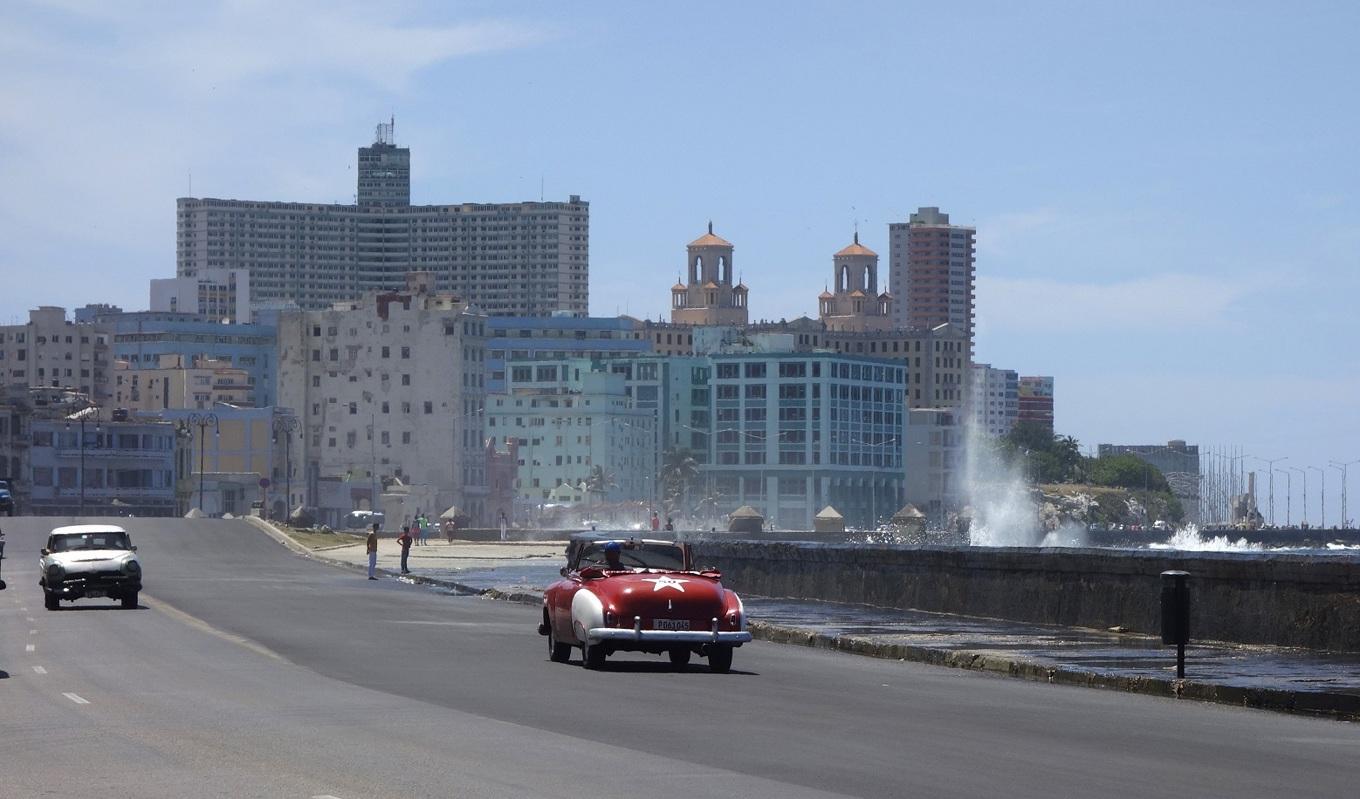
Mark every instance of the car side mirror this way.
pixel 592 573
pixel 44 551
pixel 562 571
pixel 134 547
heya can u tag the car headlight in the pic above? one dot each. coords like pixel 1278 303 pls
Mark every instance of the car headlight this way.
pixel 132 567
pixel 55 571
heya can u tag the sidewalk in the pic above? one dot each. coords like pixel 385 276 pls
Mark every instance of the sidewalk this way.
pixel 1273 678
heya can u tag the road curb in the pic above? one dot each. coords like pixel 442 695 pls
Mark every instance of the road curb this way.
pixel 521 597
pixel 1339 706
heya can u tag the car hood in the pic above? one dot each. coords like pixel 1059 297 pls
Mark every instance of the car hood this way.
pixel 649 593
pixel 89 558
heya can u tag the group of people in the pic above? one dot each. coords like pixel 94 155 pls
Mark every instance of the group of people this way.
pixel 414 533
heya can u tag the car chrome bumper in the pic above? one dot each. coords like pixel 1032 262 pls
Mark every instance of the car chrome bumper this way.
pixel 626 635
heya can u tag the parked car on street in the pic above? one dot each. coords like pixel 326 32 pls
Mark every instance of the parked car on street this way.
pixel 84 561
pixel 6 498
pixel 640 595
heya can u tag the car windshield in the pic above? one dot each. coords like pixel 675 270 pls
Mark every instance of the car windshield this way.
pixel 636 555
pixel 75 541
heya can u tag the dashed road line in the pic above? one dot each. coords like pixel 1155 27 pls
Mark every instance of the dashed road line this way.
pixel 39 670
pixel 32 632
pixel 77 698
pixel 325 796
pixel 30 618
pixel 29 647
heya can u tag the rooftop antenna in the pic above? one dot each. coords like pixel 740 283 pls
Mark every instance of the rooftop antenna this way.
pixel 540 187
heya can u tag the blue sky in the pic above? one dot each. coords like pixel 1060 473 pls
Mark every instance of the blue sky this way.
pixel 1165 193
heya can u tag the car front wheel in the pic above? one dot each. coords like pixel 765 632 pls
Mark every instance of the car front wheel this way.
pixel 51 602
pixel 720 659
pixel 679 658
pixel 130 601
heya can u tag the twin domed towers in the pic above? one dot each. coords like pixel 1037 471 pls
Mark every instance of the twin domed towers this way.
pixel 711 298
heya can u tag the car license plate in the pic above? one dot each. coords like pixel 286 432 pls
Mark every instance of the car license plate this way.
pixel 95 593
pixel 670 624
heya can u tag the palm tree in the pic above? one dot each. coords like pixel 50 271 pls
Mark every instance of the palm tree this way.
pixel 600 481
pixel 679 470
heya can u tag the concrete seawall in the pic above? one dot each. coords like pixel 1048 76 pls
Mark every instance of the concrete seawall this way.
pixel 1285 600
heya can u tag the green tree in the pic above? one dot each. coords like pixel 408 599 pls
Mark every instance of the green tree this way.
pixel 679 471
pixel 600 481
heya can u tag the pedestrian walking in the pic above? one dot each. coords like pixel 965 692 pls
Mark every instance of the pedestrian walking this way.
pixel 424 531
pixel 415 528
pixel 656 522
pixel 405 540
pixel 502 525
pixel 670 526
pixel 372 547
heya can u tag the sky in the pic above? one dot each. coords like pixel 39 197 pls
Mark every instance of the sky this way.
pixel 1166 195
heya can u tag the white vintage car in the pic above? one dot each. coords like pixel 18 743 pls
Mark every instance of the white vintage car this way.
pixel 89 560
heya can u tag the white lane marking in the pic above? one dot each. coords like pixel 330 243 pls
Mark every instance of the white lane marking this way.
pixel 39 670
pixel 30 618
pixel 32 632
pixel 29 647
pixel 77 698
pixel 325 796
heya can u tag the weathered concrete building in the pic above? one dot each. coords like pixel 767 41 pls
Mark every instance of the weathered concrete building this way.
pixel 389 389
pixel 105 467
pixel 50 351
pixel 176 383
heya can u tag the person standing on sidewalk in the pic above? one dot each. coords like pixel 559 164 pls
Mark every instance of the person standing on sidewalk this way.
pixel 372 548
pixel 405 540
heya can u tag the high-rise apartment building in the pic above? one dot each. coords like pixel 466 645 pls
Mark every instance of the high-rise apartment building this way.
pixel 219 295
pixel 994 399
pixel 1036 401
pixel 507 259
pixel 931 272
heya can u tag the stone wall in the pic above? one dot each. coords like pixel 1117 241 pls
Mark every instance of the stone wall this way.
pixel 1286 600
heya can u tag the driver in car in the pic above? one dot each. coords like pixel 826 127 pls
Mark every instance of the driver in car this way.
pixel 612 553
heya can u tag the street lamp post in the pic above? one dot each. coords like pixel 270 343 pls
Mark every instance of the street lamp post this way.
pixel 1342 467
pixel 1322 521
pixel 1305 492
pixel 202 421
pixel 1288 493
pixel 1270 474
pixel 286 425
pixel 84 416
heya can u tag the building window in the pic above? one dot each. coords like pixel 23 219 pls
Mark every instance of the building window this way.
pixel 386 352
pixel 406 380
pixel 406 437
pixel 429 406
pixel 353 408
pixel 406 353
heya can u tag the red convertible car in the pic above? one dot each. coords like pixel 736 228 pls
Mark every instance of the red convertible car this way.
pixel 640 595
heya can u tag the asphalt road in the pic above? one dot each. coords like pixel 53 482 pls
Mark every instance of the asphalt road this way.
pixel 250 671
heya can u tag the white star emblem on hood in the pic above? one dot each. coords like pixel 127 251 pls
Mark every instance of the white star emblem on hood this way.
pixel 659 583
